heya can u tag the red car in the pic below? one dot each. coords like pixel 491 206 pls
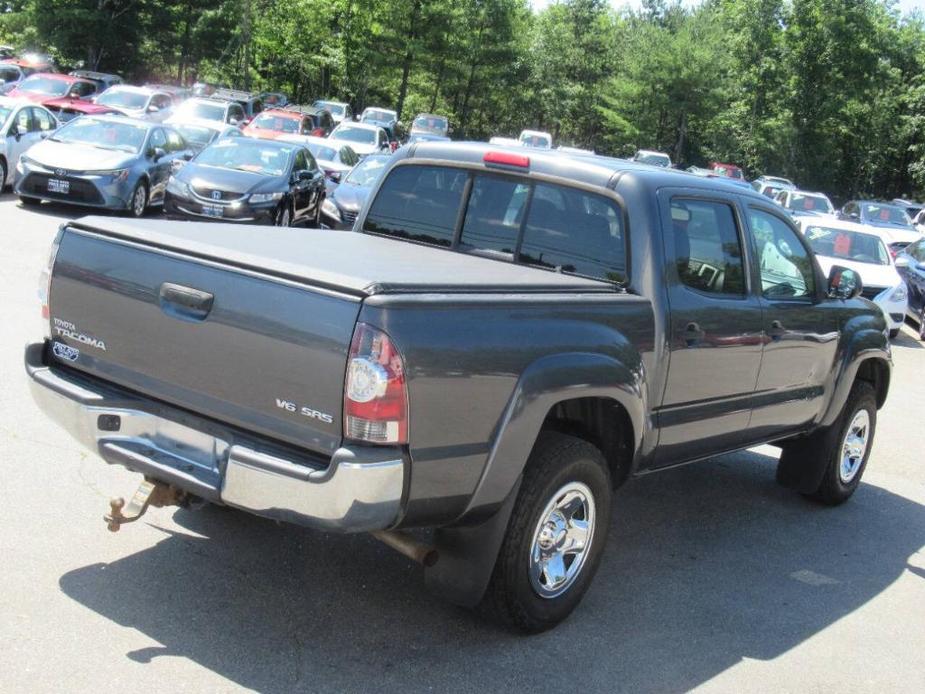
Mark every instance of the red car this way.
pixel 67 108
pixel 292 120
pixel 727 170
pixel 46 86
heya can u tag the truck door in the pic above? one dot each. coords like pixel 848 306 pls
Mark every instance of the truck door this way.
pixel 714 328
pixel 799 321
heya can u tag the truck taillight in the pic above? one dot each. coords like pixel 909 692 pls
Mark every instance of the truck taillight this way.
pixel 45 285
pixel 375 393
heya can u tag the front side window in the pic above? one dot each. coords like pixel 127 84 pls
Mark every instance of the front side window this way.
pixel 175 143
pixel 708 251
pixel 42 119
pixel 786 266
pixel 419 203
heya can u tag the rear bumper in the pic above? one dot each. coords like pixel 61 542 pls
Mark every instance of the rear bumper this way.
pixel 359 489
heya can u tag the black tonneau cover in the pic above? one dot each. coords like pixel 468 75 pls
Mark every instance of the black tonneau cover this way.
pixel 352 263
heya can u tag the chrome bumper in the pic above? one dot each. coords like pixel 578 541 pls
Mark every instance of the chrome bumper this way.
pixel 359 490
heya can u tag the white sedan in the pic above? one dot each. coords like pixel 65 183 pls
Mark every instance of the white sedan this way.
pixel 850 245
pixel 362 137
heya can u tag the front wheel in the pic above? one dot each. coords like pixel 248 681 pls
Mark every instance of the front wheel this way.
pixel 842 449
pixel 556 535
pixel 284 216
pixel 139 200
pixel 922 323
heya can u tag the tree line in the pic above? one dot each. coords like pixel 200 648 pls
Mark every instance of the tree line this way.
pixel 828 92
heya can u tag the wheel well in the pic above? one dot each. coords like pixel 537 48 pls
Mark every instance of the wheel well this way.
pixel 602 422
pixel 875 372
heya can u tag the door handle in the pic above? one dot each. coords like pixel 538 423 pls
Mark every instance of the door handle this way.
pixel 692 334
pixel 185 303
pixel 777 331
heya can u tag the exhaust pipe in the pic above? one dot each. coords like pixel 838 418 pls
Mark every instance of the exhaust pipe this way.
pixel 404 543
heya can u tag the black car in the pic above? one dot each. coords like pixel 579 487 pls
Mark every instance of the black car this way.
pixel 341 209
pixel 248 180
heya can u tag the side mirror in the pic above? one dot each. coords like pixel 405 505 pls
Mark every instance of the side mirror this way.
pixel 901 262
pixel 16 131
pixel 233 121
pixel 153 108
pixel 304 175
pixel 844 283
pixel 158 153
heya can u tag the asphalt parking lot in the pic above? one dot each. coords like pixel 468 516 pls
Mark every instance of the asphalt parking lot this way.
pixel 714 578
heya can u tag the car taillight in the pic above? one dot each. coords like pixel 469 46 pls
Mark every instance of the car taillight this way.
pixel 45 285
pixel 375 393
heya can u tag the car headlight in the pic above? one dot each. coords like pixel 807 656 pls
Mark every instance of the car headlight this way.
pixel 118 175
pixel 266 197
pixel 25 161
pixel 177 187
pixel 899 294
pixel 330 209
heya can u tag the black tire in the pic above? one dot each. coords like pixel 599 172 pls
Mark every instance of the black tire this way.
pixel 29 202
pixel 828 445
pixel 316 223
pixel 922 323
pixel 283 216
pixel 557 460
pixel 133 207
pixel 894 333
pixel 3 175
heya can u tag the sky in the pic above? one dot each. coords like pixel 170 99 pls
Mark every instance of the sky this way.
pixel 905 6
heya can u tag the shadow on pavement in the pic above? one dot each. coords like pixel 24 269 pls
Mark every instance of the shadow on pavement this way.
pixel 706 564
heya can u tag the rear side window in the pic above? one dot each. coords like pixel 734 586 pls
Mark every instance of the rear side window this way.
pixel 549 226
pixel 708 251
pixel 572 231
pixel 419 203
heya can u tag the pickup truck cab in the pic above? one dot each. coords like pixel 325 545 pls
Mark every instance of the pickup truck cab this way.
pixel 507 336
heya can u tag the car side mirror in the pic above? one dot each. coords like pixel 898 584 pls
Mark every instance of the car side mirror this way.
pixel 233 121
pixel 153 108
pixel 304 175
pixel 158 153
pixel 16 131
pixel 844 283
pixel 901 262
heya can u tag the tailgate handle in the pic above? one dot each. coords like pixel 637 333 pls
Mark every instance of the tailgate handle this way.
pixel 185 303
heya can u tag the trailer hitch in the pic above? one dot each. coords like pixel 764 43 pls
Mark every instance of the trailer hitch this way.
pixel 149 493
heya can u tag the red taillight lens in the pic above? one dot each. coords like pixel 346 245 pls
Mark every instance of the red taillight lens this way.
pixel 45 285
pixel 507 159
pixel 375 393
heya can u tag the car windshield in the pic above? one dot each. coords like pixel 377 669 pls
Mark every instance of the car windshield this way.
pixel 44 85
pixel 847 245
pixel 335 109
pixel 727 172
pixel 9 74
pixel 200 109
pixel 541 141
pixel 104 134
pixel 198 135
pixel 434 124
pixel 246 154
pixel 654 159
pixel 891 214
pixel 123 99
pixel 274 121
pixel 361 135
pixel 378 115
pixel 801 202
pixel 367 171
pixel 321 152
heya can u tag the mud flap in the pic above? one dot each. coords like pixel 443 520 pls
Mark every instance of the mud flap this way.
pixel 468 555
pixel 802 465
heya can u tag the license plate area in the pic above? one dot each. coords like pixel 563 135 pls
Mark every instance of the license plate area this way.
pixel 213 210
pixel 56 185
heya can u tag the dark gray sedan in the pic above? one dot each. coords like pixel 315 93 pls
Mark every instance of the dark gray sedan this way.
pixel 110 162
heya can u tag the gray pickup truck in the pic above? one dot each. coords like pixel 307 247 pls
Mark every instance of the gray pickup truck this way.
pixel 505 338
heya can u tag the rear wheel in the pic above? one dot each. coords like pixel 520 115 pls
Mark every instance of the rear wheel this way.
pixel 3 174
pixel 922 323
pixel 556 535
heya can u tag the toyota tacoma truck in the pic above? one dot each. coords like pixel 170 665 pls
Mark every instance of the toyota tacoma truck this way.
pixel 503 339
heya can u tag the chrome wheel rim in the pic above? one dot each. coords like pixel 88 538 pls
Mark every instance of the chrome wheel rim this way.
pixel 284 217
pixel 138 201
pixel 854 447
pixel 561 540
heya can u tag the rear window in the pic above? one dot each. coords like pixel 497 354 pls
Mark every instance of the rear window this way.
pixel 544 225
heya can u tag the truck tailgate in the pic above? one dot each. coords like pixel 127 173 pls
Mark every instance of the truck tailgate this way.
pixel 260 352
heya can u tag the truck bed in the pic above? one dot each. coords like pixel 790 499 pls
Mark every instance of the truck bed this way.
pixel 357 264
